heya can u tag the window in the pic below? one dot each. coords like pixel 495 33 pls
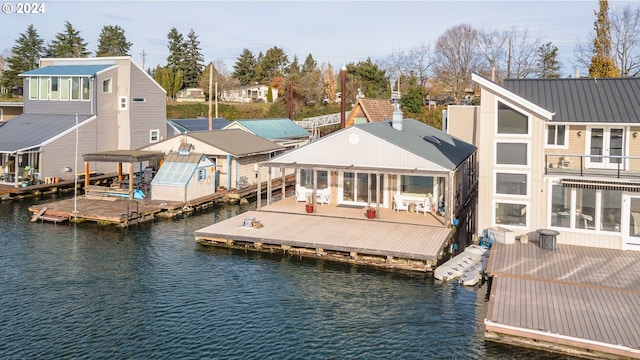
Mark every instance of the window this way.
pixel 75 88
pixel 53 88
pixel 611 210
pixel 417 184
pixel 511 214
pixel 106 86
pixel 556 135
pixel 33 88
pixel 122 103
pixel 64 88
pixel 585 209
pixel 306 178
pixel 511 154
pixel 44 88
pixel 85 89
pixel 202 174
pixel 1 115
pixel 511 184
pixel 154 135
pixel 511 121
pixel 138 99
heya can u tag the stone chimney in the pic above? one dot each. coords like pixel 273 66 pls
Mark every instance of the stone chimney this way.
pixel 396 121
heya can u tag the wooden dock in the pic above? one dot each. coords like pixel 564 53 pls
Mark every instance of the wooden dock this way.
pixel 386 244
pixel 576 300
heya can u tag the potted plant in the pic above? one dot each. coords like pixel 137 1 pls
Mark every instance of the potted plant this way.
pixel 371 212
pixel 309 204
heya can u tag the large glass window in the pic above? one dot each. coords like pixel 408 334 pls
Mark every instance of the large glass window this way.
pixel 511 184
pixel 53 85
pixel 511 214
pixel 75 88
pixel 44 88
pixel 611 210
pixel 511 121
pixel 417 184
pixel 556 135
pixel 560 206
pixel 64 88
pixel 33 87
pixel 511 154
pixel 585 208
pixel 85 88
pixel 306 178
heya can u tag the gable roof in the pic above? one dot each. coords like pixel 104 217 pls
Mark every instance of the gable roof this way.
pixel 188 125
pixel 272 129
pixel 583 100
pixel 178 169
pixel 379 146
pixel 28 131
pixel 236 142
pixel 67 70
pixel 375 109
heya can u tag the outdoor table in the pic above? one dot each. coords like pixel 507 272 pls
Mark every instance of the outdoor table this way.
pixel 548 238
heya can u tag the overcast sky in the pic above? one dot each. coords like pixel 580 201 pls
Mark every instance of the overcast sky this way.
pixel 335 32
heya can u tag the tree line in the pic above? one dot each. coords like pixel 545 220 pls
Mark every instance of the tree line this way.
pixel 438 71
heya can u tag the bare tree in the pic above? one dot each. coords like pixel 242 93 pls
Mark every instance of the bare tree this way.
pixel 625 35
pixel 457 57
pixel 582 54
pixel 494 46
pixel 524 54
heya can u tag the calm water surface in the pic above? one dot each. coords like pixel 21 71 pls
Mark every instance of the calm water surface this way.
pixel 86 291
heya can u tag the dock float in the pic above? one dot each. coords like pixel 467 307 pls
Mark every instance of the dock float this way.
pixel 390 245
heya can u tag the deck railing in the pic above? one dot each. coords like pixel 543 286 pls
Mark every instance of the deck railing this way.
pixel 592 165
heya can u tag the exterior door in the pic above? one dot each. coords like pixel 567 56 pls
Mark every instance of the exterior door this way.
pixel 606 145
pixel 359 188
pixel 631 222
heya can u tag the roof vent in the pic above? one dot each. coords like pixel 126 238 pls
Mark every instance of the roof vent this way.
pixel 432 139
pixel 185 149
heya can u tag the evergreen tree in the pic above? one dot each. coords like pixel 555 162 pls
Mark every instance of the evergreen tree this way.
pixel 68 44
pixel 294 67
pixel 193 63
pixel 548 65
pixel 112 42
pixel 24 56
pixel 412 100
pixel 245 67
pixel 369 78
pixel 602 63
pixel 274 63
pixel 176 49
pixel 170 79
pixel 309 65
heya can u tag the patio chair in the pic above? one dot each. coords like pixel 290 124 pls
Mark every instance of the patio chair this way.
pixel 323 196
pixel 425 206
pixel 301 194
pixel 398 203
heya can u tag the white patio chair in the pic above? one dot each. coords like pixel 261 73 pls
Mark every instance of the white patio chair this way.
pixel 425 206
pixel 398 203
pixel 323 196
pixel 301 194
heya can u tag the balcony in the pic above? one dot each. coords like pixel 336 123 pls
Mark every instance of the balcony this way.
pixel 611 166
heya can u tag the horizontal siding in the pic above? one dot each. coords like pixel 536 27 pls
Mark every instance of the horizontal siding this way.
pixel 148 115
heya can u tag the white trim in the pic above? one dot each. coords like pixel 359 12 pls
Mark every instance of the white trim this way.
pixel 110 90
pixel 519 167
pixel 157 131
pixel 514 108
pixel 527 218
pixel 1 114
pixel 123 106
pixel 512 172
pixel 555 146
pixel 509 95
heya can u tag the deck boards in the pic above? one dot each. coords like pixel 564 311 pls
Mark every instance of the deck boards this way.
pixel 577 296
pixel 371 237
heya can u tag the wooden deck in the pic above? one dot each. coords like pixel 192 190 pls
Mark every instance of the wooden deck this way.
pixel 577 300
pixel 406 241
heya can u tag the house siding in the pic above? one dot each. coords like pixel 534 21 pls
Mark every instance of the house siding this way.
pixel 148 115
pixel 107 105
pixel 56 106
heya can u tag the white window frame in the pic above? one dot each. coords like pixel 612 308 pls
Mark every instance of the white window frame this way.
pixel 514 166
pixel 88 81
pixel 34 84
pixel 515 108
pixel 123 103
pixel 514 196
pixel 527 217
pixel 154 133
pixel 1 114
pixel 109 83
pixel 555 144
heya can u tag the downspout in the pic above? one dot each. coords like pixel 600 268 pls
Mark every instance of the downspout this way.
pixel 229 172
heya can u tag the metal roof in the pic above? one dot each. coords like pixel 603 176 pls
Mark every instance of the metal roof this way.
pixel 612 100
pixel 236 142
pixel 28 131
pixel 67 70
pixel 273 129
pixel 424 141
pixel 188 125
pixel 177 169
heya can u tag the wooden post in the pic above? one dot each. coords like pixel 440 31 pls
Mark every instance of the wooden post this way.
pixel 119 171
pixel 86 174
pixel 259 188
pixel 131 181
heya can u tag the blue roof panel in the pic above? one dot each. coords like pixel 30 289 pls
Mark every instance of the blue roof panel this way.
pixel 67 70
pixel 274 129
pixel 199 124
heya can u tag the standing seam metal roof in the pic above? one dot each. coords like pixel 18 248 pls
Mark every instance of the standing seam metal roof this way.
pixel 273 129
pixel 236 142
pixel 612 100
pixel 67 70
pixel 29 131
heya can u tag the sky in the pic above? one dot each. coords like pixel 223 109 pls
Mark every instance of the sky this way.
pixel 334 32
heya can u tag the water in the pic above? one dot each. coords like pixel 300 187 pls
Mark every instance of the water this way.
pixel 87 291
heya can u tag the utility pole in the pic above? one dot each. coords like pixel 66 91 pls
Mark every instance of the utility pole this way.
pixel 343 97
pixel 210 95
pixel 144 58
